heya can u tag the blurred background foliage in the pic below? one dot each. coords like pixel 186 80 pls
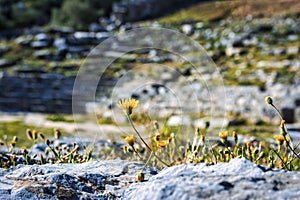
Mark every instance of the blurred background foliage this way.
pixel 26 13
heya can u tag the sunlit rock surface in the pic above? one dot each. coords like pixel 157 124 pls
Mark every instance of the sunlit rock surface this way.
pixel 115 179
pixel 239 179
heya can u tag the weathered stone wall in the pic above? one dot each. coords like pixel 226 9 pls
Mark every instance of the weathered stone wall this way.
pixel 46 93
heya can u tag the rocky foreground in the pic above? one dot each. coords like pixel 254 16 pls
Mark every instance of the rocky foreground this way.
pixel 115 179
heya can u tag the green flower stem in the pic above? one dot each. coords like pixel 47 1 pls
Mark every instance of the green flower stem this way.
pixel 73 151
pixel 213 152
pixel 297 145
pixel 226 146
pixel 289 163
pixel 151 154
pixel 55 153
pixel 137 153
pixel 136 131
pixel 280 115
pixel 280 158
pixel 295 153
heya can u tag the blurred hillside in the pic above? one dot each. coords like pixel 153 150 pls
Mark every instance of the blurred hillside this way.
pixel 211 11
pixel 26 13
pixel 253 43
pixel 73 13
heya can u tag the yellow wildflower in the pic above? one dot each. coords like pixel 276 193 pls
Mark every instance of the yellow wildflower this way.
pixel 263 143
pixel 129 140
pixel 162 144
pixel 223 136
pixel 287 138
pixel 285 159
pixel 248 144
pixel 127 105
pixel 279 139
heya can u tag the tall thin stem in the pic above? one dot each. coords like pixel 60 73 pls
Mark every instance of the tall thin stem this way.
pixel 145 143
pixel 289 146
pixel 279 113
pixel 287 142
pixel 147 161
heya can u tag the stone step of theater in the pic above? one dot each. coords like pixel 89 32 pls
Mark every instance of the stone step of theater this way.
pixel 44 93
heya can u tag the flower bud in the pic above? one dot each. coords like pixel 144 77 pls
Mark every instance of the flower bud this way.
pixel 15 138
pixel 29 134
pixel 269 100
pixel 223 136
pixel 156 125
pixel 235 137
pixel 41 135
pixel 34 134
pixel 125 149
pixel 140 177
pixel 197 131
pixel 47 141
pixel 57 133
pixel 12 143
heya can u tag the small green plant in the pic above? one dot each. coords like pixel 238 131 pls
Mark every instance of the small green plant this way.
pixel 54 153
pixel 127 105
pixel 105 120
pixel 163 147
pixel 286 150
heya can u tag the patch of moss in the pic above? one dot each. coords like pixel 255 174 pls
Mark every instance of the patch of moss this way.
pixel 60 118
pixel 17 128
